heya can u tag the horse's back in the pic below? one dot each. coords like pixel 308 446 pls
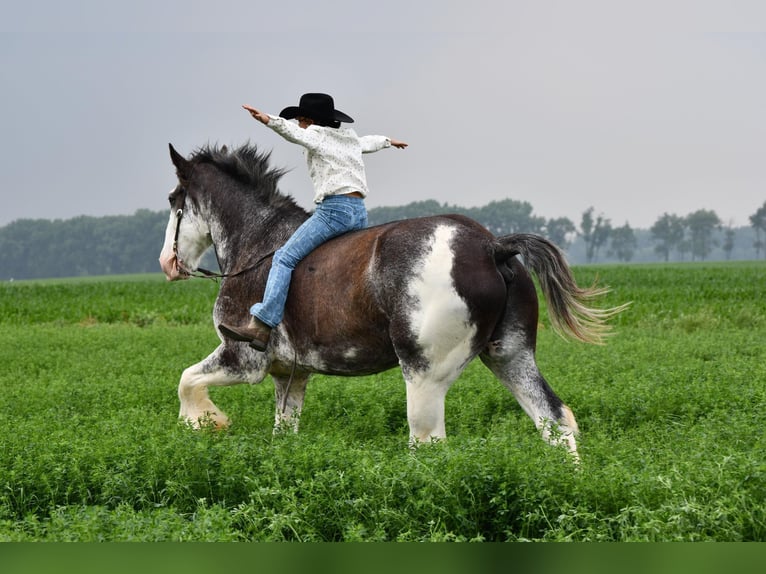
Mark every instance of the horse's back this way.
pixel 449 251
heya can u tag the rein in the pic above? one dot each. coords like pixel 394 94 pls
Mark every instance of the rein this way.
pixel 201 272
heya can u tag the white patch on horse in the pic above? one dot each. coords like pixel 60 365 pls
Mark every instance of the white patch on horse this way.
pixel 168 262
pixel 508 347
pixel 351 353
pixel 284 352
pixel 170 231
pixel 440 318
pixel 314 359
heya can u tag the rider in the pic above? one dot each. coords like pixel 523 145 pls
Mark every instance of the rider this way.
pixel 334 156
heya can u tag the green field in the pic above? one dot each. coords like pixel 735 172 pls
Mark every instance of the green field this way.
pixel 671 413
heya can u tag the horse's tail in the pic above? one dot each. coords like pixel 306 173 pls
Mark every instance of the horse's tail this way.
pixel 568 304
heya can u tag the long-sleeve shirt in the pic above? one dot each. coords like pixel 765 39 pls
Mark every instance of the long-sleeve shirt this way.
pixel 334 155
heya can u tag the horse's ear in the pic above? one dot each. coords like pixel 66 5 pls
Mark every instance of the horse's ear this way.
pixel 181 163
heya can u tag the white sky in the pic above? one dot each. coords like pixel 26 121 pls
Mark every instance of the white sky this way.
pixel 636 108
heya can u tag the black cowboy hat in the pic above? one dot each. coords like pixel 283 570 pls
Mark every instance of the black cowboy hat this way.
pixel 318 107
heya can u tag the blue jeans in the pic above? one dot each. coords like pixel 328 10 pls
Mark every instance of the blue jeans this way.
pixel 336 215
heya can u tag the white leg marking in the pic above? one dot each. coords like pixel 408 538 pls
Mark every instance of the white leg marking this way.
pixel 565 431
pixel 196 407
pixel 425 410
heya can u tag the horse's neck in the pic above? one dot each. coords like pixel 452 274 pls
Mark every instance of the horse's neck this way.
pixel 251 234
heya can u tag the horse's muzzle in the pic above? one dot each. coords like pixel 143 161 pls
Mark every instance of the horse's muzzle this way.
pixel 171 268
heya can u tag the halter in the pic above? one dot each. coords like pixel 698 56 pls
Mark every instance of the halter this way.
pixel 201 272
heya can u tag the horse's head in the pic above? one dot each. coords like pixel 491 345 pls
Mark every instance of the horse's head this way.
pixel 187 235
pixel 228 197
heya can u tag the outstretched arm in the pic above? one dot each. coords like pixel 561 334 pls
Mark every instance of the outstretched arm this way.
pixel 372 143
pixel 259 115
pixel 291 132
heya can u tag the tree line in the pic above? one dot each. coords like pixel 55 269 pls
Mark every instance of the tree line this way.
pixel 83 246
pixel 698 236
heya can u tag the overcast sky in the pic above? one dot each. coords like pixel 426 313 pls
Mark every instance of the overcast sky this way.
pixel 636 108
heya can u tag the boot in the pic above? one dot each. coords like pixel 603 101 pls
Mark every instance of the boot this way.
pixel 256 332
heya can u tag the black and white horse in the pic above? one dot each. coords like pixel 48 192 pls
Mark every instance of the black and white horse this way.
pixel 428 295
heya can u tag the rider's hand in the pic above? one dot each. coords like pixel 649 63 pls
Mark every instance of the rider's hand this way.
pixel 258 115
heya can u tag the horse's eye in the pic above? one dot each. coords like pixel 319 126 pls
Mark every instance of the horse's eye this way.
pixel 173 196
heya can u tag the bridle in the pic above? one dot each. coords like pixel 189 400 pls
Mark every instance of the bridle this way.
pixel 201 272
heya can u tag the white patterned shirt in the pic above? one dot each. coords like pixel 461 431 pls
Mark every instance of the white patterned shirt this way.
pixel 334 155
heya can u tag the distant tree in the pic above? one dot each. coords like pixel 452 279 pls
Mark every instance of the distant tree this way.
pixel 499 217
pixel 558 229
pixel 701 224
pixel 684 248
pixel 595 233
pixel 668 232
pixel 728 241
pixel 378 215
pixel 508 216
pixel 758 222
pixel 18 243
pixel 623 243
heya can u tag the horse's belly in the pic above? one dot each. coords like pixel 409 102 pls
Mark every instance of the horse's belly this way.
pixel 345 362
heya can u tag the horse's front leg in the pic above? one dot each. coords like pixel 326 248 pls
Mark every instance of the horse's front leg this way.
pixel 196 408
pixel 288 394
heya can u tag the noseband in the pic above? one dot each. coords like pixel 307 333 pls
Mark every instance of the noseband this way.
pixel 201 272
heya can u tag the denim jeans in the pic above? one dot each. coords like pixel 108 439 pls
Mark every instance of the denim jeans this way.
pixel 336 215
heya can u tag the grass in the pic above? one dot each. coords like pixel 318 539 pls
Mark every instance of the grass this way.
pixel 671 412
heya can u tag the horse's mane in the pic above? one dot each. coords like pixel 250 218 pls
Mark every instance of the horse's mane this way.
pixel 245 164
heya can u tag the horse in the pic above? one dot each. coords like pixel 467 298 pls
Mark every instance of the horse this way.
pixel 427 295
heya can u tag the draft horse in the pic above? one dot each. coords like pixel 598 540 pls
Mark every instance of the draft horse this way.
pixel 427 294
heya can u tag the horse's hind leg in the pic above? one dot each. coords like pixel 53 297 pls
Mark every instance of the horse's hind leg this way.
pixel 510 355
pixel 515 366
